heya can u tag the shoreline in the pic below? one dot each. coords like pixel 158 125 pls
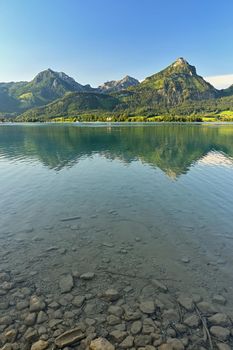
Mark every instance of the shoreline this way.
pixel 84 314
pixel 116 123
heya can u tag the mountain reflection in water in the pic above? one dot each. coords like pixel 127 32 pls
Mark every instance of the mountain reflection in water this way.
pixel 172 148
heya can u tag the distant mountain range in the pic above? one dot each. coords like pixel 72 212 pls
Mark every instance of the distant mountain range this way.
pixel 176 90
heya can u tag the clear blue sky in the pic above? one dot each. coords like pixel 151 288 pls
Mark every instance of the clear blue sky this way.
pixel 99 40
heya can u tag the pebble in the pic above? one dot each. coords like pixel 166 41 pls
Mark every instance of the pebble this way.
pixel 66 283
pixel 222 346
pixel 111 294
pixel 50 249
pixel 87 276
pixel 159 285
pixel 220 332
pixel 115 310
pixel 7 347
pixel 185 260
pixel 147 307
pixel 21 305
pixel 5 320
pixel 78 301
pixel 176 344
pixel 4 305
pixel 30 319
pixel 171 315
pixel 90 321
pixel 219 299
pixel 142 340
pixel 11 335
pixel 70 337
pixel 118 336
pixel 192 321
pixel 127 342
pixel 219 319
pixel 36 304
pixel 108 245
pixel 54 305
pixel 136 327
pixel 31 335
pixel 206 308
pixel 42 317
pixel 101 344
pixel 42 330
pixel 40 345
pixel 187 303
pixel 113 320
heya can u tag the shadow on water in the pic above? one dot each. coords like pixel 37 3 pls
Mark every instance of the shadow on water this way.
pixel 172 148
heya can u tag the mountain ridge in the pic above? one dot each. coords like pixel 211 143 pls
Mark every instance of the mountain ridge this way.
pixel 171 89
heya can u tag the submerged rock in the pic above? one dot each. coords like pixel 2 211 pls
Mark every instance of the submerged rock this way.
pixel 159 285
pixel 66 283
pixel 127 342
pixel 101 344
pixel 40 345
pixel 118 336
pixel 69 337
pixel 219 319
pixel 222 346
pixel 220 332
pixel 187 303
pixel 11 335
pixel 111 294
pixel 171 315
pixel 147 307
pixel 78 300
pixel 176 344
pixel 36 304
pixel 192 321
pixel 5 321
pixel 87 276
pixel 136 327
pixel 206 308
pixel 219 299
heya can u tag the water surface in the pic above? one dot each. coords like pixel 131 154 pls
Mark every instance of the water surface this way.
pixel 148 201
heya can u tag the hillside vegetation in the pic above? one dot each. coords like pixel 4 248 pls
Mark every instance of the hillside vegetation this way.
pixel 177 93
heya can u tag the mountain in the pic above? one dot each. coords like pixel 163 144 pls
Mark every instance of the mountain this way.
pixel 172 86
pixel 175 91
pixel 228 91
pixel 118 85
pixel 47 86
pixel 72 104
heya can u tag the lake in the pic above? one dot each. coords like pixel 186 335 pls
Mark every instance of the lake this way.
pixel 124 204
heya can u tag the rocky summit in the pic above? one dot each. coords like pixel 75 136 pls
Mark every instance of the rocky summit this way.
pixel 118 85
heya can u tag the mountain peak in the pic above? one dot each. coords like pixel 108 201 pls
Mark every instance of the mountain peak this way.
pixel 118 85
pixel 182 66
pixel 180 62
pixel 177 83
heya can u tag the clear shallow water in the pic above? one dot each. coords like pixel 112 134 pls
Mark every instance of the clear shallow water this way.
pixel 146 197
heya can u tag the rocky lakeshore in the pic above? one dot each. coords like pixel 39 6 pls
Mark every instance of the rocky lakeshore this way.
pixel 83 313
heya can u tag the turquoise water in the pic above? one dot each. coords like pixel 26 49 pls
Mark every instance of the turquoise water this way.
pixel 143 200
